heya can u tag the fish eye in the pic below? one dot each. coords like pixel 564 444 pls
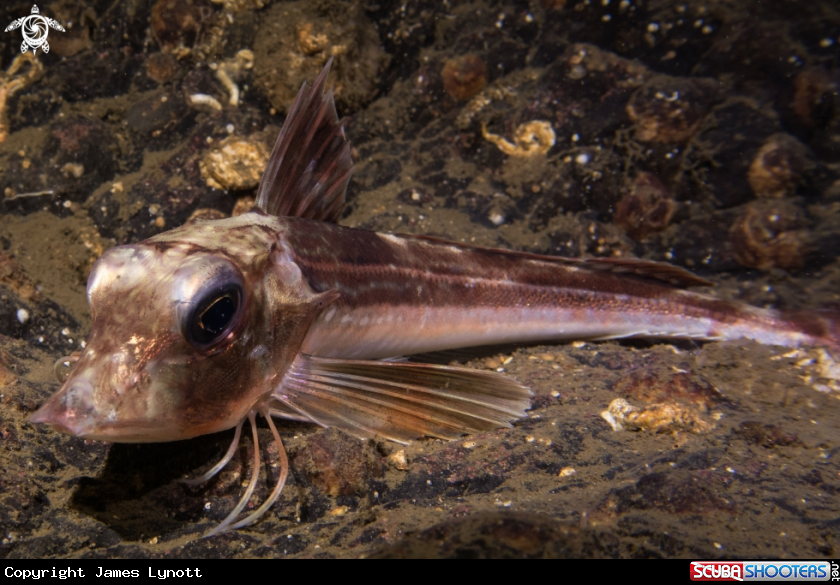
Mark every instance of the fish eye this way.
pixel 214 315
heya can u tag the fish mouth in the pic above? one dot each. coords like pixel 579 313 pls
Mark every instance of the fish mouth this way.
pixel 73 411
pixel 70 410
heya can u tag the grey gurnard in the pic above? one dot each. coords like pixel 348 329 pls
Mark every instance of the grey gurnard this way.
pixel 281 312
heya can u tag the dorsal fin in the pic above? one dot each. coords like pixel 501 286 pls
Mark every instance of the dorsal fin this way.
pixel 649 269
pixel 310 166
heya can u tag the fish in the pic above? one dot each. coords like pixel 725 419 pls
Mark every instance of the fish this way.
pixel 281 312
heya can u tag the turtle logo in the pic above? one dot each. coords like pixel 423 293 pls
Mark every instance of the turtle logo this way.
pixel 35 30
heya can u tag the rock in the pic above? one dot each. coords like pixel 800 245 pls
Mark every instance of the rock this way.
pixel 297 38
pixel 338 464
pixel 501 535
pixel 235 164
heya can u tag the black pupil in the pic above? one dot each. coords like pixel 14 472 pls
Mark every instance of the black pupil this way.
pixel 217 316
pixel 213 316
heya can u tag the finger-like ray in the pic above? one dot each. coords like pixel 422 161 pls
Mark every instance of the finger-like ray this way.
pixel 255 472
pixel 224 460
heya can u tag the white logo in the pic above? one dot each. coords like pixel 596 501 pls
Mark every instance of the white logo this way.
pixel 35 30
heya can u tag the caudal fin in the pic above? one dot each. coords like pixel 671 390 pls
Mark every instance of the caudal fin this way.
pixel 821 325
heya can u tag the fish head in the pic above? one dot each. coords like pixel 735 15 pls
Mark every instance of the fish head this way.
pixel 189 332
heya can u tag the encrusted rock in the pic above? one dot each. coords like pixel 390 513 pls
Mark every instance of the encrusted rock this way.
pixel 235 164
pixel 299 37
pixel 338 464
pixel 530 138
pixel 657 418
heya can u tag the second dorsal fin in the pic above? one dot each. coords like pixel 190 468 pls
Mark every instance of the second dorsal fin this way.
pixel 310 165
pixel 648 269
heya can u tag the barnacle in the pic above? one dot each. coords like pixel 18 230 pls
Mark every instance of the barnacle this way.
pixel 779 166
pixel 668 109
pixel 161 67
pixel 812 96
pixel 13 80
pixel 770 234
pixel 646 209
pixel 530 138
pixel 464 76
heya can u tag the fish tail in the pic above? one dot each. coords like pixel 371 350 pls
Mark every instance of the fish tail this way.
pixel 820 326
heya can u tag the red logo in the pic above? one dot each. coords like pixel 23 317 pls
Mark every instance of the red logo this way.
pixel 717 571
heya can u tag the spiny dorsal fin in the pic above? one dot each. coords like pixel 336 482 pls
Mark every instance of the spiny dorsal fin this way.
pixel 310 166
pixel 396 400
pixel 649 269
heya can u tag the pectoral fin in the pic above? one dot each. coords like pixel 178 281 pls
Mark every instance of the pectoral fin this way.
pixel 398 401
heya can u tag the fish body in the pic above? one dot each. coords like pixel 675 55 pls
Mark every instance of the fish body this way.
pixel 401 295
pixel 281 312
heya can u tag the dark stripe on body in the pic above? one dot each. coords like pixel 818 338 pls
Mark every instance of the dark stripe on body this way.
pixel 368 269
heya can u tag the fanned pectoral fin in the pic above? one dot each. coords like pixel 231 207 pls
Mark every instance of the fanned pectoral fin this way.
pixel 398 401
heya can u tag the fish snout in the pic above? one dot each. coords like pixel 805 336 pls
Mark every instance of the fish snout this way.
pixel 71 410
